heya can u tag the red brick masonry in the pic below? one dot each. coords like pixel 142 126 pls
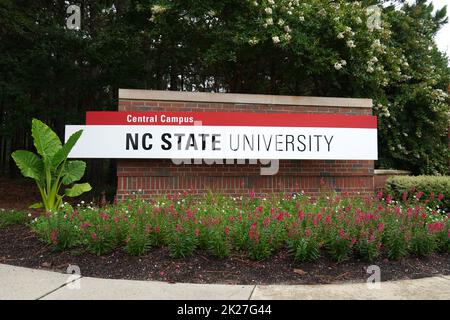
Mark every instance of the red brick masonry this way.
pixel 156 176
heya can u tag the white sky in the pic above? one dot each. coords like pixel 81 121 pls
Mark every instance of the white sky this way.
pixel 443 37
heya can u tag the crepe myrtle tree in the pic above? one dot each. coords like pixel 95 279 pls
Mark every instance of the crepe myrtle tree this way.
pixel 50 168
pixel 321 47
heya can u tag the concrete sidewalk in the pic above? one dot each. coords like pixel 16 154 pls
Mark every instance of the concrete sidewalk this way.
pixel 24 283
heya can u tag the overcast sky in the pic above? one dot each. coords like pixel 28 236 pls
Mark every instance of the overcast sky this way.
pixel 443 37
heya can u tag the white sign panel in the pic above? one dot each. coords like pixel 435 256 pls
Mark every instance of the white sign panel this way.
pixel 224 142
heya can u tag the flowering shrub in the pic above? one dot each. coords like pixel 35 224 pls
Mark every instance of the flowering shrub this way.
pixel 433 189
pixel 341 226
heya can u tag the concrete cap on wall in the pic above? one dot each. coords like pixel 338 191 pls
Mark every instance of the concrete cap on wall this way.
pixel 240 98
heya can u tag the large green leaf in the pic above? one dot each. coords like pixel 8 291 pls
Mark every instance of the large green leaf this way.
pixel 46 141
pixel 73 171
pixel 62 153
pixel 78 189
pixel 37 205
pixel 30 164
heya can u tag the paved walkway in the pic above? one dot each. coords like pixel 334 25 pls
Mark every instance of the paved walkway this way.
pixel 24 283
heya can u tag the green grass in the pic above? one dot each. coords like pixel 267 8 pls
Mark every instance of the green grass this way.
pixel 11 217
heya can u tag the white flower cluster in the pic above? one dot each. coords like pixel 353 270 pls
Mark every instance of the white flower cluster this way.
pixel 339 65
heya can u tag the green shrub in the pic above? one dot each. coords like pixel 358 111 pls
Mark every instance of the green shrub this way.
pixel 11 217
pixel 432 187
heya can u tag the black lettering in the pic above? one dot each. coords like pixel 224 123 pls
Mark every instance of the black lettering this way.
pixel 165 138
pixel 318 140
pixel 146 145
pixel 329 142
pixel 289 141
pixel 134 143
pixel 304 145
pixel 215 142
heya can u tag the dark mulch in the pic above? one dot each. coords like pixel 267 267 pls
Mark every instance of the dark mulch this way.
pixel 17 194
pixel 19 246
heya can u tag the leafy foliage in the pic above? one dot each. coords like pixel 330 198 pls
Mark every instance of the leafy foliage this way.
pixel 52 169
pixel 340 227
pixel 11 217
pixel 436 189
pixel 316 47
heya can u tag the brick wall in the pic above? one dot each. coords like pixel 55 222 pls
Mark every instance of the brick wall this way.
pixel 157 176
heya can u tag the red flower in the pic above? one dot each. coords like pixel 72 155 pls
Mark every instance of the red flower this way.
pixel 419 194
pixel 380 227
pixel 103 216
pixel 178 228
pixel 197 232
pixel 54 236
pixel 227 231
pixel 342 234
pixel 405 196
pixel 94 236
pixel 300 215
pixel 266 221
pixel 156 229
pixel 84 226
pixel 440 196
pixel 147 229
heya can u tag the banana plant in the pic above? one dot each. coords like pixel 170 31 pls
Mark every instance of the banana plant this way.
pixel 50 168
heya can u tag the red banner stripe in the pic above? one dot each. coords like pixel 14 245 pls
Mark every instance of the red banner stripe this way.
pixel 231 119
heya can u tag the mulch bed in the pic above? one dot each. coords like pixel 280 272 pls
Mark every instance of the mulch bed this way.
pixel 19 246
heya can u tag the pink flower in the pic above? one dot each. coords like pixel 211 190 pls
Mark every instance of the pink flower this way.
pixel 266 221
pixel 147 229
pixel 156 229
pixel 380 227
pixel 227 231
pixel 440 196
pixel 308 233
pixel 379 195
pixel 178 228
pixel 388 199
pixel 436 227
pixel 197 232
pixel 342 234
pixel 94 236
pixel 419 194
pixel 300 215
